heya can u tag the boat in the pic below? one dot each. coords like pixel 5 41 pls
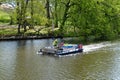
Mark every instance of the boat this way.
pixel 64 50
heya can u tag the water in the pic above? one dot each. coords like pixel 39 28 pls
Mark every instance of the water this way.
pixel 19 61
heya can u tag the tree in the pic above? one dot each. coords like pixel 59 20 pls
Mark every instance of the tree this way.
pixel 21 7
pixel 56 15
pixel 48 8
pixel 95 19
pixel 18 15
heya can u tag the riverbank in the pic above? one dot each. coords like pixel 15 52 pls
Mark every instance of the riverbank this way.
pixel 26 37
pixel 9 32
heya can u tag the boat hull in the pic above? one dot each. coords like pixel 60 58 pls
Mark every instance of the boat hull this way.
pixel 70 52
pixel 64 51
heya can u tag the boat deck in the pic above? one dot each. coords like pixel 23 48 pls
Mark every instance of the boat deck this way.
pixel 65 50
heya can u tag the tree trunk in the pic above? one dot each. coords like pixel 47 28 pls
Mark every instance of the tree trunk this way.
pixel 48 12
pixel 11 20
pixel 48 8
pixel 25 21
pixel 67 6
pixel 24 25
pixel 32 19
pixel 18 28
pixel 56 16
pixel 18 16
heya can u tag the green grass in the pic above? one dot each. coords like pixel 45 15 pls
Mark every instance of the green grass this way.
pixel 8 32
pixel 4 17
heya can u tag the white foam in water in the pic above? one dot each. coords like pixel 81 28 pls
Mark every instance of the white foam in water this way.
pixel 68 55
pixel 39 52
pixel 93 47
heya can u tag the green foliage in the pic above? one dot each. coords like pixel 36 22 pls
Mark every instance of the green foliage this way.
pixel 96 20
pixel 88 19
pixel 39 13
pixel 39 20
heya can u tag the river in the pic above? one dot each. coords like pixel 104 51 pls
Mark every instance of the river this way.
pixel 19 61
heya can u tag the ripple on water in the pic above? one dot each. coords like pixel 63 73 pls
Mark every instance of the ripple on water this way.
pixel 5 73
pixel 20 62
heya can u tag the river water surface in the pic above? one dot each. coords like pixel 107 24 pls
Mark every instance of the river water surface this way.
pixel 19 61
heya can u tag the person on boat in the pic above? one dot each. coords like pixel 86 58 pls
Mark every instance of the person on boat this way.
pixel 61 44
pixel 80 46
pixel 55 43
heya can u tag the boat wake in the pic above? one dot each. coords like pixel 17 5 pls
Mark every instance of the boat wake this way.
pixel 90 48
pixel 93 47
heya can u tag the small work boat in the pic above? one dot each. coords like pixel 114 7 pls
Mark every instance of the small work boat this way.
pixel 64 50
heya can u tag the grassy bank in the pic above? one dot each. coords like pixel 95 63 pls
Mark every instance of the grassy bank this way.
pixel 11 30
pixel 8 31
